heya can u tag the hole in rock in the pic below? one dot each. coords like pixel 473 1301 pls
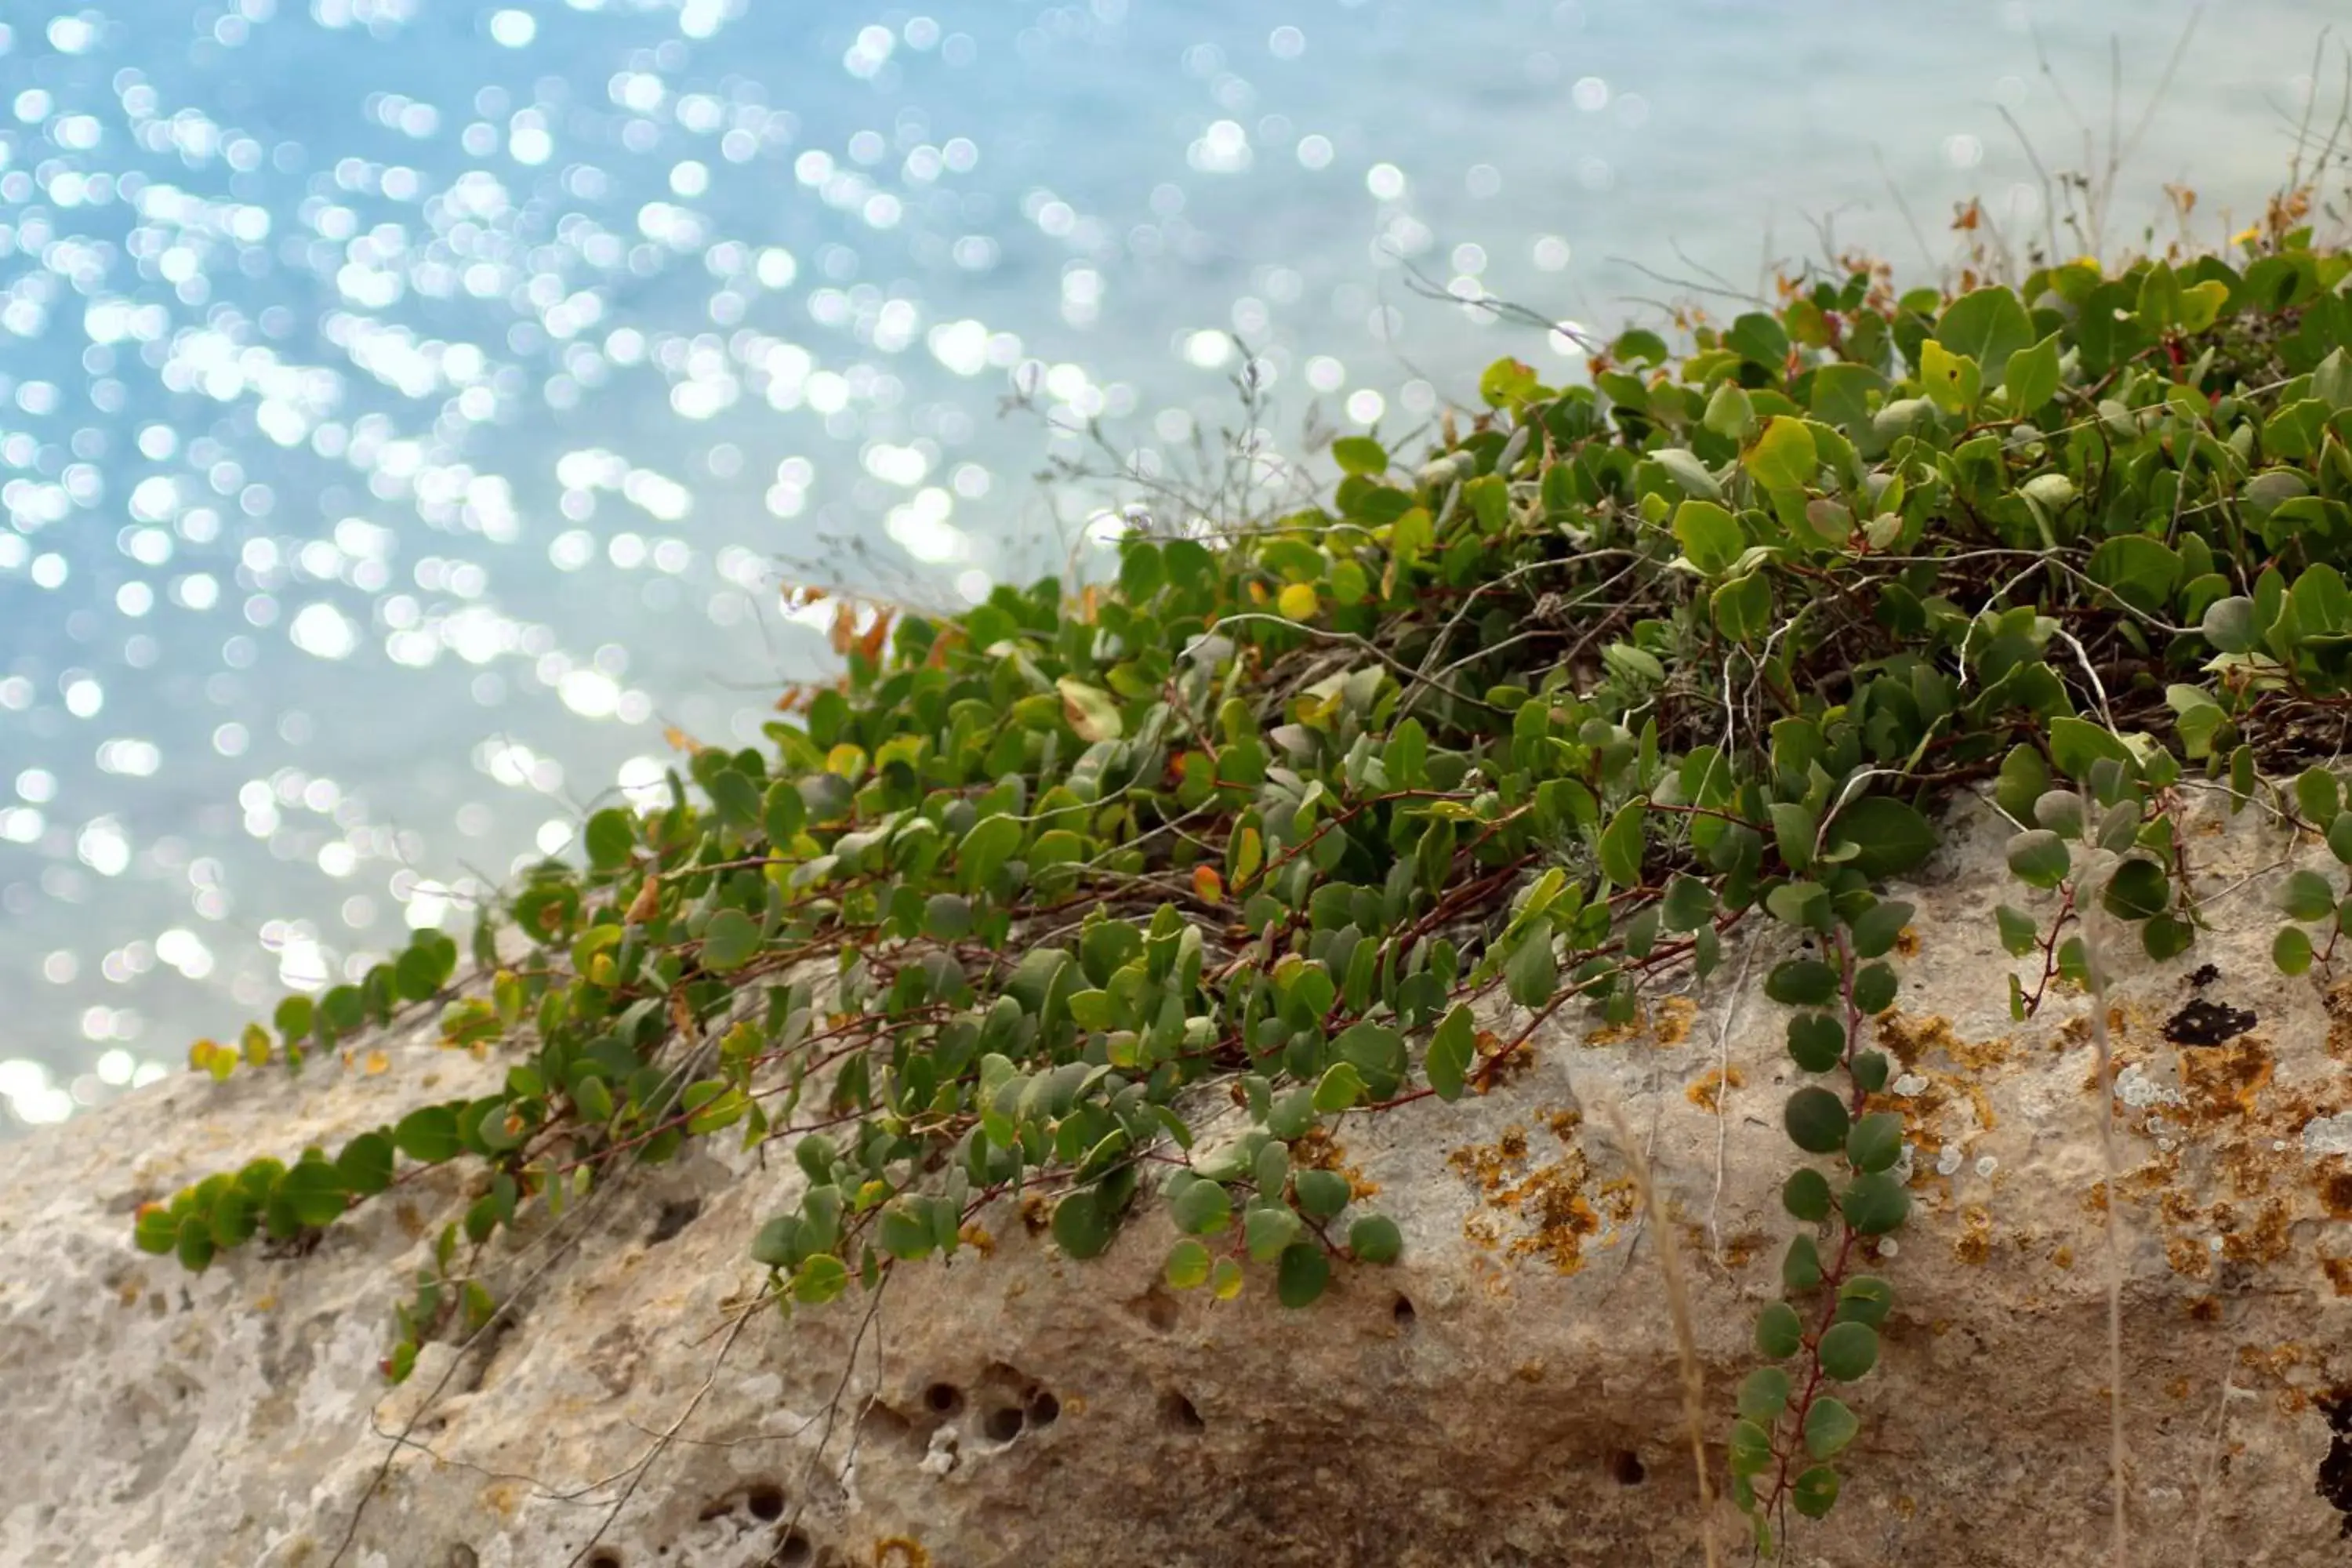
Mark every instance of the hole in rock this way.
pixel 1401 1310
pixel 1044 1409
pixel 605 1559
pixel 943 1399
pixel 793 1551
pixel 1625 1467
pixel 1177 1411
pixel 766 1501
pixel 672 1218
pixel 1002 1424
pixel 2336 1468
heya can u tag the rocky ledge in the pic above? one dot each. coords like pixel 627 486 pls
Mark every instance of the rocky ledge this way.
pixel 1507 1393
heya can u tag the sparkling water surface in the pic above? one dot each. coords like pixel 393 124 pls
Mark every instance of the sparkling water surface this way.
pixel 408 408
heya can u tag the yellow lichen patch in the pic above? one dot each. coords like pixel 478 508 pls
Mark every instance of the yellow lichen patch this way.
pixel 1548 1200
pixel 976 1236
pixel 1673 1025
pixel 2221 1082
pixel 412 1223
pixel 1906 943
pixel 1706 1093
pixel 1975 1243
pixel 1910 1038
pixel 2187 1257
pixel 899 1552
pixel 1564 1123
pixel 2339 1273
pixel 2063 1258
pixel 1319 1150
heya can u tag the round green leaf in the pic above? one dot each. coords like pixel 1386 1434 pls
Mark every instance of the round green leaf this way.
pixel 1815 1491
pixel 1876 1203
pixel 2137 890
pixel 1801 982
pixel 1869 1069
pixel 2339 837
pixel 1301 1274
pixel 1764 1393
pixel 1849 1349
pixel 729 942
pixel 2037 857
pixel 2307 897
pixel 1801 1271
pixel 1866 1299
pixel 1268 1230
pixel 947 917
pixel 1374 1239
pixel 2291 949
pixel 1893 837
pixel 1083 1223
pixel 1806 1194
pixel 1188 1265
pixel 1817 1041
pixel 1829 1427
pixel 1816 1119
pixel 1876 1142
pixel 428 1134
pixel 1874 989
pixel 610 835
pixel 1321 1194
pixel 1778 1330
pixel 1203 1208
pixel 1751 1448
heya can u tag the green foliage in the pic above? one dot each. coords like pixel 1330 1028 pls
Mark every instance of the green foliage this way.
pixel 1327 817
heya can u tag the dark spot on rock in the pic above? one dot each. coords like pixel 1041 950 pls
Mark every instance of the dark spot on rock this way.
pixel 1401 1310
pixel 2203 1023
pixel 672 1218
pixel 463 1556
pixel 716 1508
pixel 1002 1424
pixel 605 1559
pixel 766 1501
pixel 2205 975
pixel 1156 1307
pixel 2336 1468
pixel 1176 1412
pixel 943 1399
pixel 2336 1194
pixel 1044 1409
pixel 1625 1467
pixel 792 1550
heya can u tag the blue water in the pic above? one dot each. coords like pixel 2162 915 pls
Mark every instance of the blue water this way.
pixel 408 408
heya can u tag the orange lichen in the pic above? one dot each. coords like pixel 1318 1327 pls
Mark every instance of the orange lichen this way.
pixel 1707 1091
pixel 2339 1273
pixel 1549 1200
pixel 898 1551
pixel 1673 1025
pixel 1975 1243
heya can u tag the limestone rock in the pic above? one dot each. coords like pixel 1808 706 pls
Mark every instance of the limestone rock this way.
pixel 1506 1394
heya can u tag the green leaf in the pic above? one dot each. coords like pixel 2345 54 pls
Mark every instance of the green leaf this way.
pixel 2019 933
pixel 729 942
pixel 2137 890
pixel 1801 1271
pixel 1300 1274
pixel 1989 325
pixel 313 1191
pixel 2076 743
pixel 1784 456
pixel 1778 1331
pixel 2317 796
pixel 1083 1223
pixel 1952 382
pixel 2291 949
pixel 1750 1450
pixel 947 917
pixel 1874 989
pixel 1374 1239
pixel 1532 975
pixel 1829 1427
pixel 1876 1142
pixel 1620 844
pixel 2306 896
pixel 1089 710
pixel 2031 377
pixel 2339 837
pixel 365 1163
pixel 1450 1052
pixel 984 849
pixel 1816 1040
pixel 1742 608
pixel 1321 1194
pixel 1848 1350
pixel 1203 1208
pixel 1764 1393
pixel 2229 625
pixel 1876 1203
pixel 1341 1087
pixel 1801 982
pixel 1816 1120
pixel 2037 857
pixel 1806 1196
pixel 1267 1231
pixel 1359 455
pixel 1709 535
pixel 428 1134
pixel 819 1280
pixel 1188 1266
pixel 1866 1299
pixel 1815 1489
pixel 1878 928
pixel 2164 937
